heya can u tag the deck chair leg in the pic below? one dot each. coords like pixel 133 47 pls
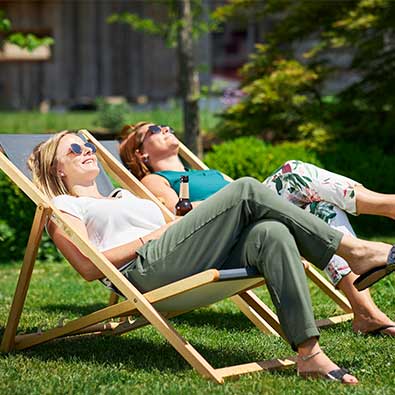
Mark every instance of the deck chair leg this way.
pixel 328 288
pixel 257 310
pixel 22 287
pixel 260 320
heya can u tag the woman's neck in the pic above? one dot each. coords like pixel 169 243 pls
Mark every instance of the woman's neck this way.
pixel 172 163
pixel 86 190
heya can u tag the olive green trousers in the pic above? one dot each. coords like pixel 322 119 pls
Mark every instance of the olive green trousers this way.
pixel 244 224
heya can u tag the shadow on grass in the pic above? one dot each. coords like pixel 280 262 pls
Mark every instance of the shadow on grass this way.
pixel 145 350
pixel 143 353
pixel 216 320
pixel 198 319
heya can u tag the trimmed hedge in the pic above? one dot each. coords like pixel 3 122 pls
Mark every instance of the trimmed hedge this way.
pixel 250 156
pixel 16 217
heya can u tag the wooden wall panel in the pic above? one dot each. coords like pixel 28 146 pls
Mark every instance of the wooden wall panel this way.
pixel 90 58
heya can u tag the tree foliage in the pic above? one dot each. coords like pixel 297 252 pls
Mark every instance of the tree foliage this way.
pixel 170 23
pixel 284 95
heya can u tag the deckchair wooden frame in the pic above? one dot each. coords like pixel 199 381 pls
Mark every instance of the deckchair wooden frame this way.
pixel 135 301
pixel 192 160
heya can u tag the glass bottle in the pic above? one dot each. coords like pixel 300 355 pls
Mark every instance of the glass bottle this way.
pixel 183 205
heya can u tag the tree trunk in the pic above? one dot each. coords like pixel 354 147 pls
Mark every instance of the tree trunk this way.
pixel 188 79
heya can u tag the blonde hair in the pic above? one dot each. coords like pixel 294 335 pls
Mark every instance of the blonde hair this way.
pixel 43 165
pixel 132 140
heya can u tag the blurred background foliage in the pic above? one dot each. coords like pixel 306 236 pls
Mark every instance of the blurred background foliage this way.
pixel 285 96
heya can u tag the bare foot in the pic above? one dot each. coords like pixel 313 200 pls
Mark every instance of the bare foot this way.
pixel 319 366
pixel 363 255
pixel 366 324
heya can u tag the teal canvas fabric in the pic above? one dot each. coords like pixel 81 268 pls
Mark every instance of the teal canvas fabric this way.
pixel 202 183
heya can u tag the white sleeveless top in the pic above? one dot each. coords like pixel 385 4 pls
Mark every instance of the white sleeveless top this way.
pixel 111 222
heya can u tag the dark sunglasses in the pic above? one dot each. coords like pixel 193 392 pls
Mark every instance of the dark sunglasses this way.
pixel 78 149
pixel 155 129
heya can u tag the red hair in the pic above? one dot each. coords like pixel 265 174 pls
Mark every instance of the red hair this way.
pixel 132 140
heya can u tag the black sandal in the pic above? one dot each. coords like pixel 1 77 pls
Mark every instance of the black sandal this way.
pixel 333 375
pixel 371 277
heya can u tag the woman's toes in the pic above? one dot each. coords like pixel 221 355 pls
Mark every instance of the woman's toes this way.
pixel 349 379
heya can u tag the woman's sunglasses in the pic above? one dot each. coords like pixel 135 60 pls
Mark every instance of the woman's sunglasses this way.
pixel 78 149
pixel 155 129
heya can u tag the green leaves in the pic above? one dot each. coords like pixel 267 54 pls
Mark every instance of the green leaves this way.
pixel 347 45
pixel 137 23
pixel 5 24
pixel 168 26
pixel 27 41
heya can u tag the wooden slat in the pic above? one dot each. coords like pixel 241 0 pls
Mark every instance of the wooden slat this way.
pixel 191 158
pixel 21 181
pixel 256 367
pixel 258 319
pixel 337 319
pixel 24 278
pixel 328 288
pixel 30 340
pixel 264 311
pixel 120 309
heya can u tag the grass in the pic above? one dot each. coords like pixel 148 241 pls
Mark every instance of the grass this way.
pixel 35 122
pixel 142 362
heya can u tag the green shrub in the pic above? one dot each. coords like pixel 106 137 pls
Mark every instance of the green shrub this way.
pixel 16 216
pixel 250 156
pixel 370 166
pixel 111 115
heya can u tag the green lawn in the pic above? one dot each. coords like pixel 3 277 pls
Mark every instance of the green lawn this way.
pixel 35 122
pixel 142 362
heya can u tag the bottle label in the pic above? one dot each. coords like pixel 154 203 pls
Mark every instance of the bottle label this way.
pixel 184 190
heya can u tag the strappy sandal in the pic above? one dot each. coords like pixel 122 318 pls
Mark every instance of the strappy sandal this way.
pixel 371 277
pixel 333 375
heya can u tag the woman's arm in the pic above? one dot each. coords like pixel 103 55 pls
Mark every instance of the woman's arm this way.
pixel 126 252
pixel 118 256
pixel 161 188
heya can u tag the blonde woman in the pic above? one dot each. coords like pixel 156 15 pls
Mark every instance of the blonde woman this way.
pixel 150 151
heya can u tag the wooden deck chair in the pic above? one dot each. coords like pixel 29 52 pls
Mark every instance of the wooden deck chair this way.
pixel 243 301
pixel 155 307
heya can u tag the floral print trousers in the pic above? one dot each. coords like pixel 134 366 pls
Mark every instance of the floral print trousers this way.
pixel 324 194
